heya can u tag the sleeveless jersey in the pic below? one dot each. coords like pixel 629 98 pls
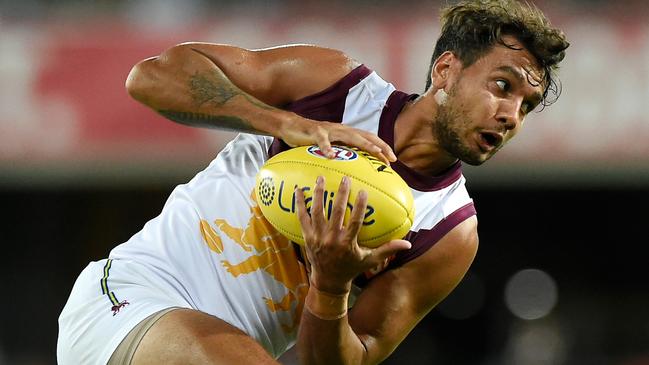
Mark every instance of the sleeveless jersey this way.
pixel 211 245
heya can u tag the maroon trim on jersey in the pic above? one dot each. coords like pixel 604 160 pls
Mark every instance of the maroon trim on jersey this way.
pixel 427 238
pixel 393 106
pixel 421 241
pixel 415 180
pixel 421 182
pixel 326 105
pixel 329 104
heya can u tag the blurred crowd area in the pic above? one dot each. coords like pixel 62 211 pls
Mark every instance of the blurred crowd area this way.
pixel 36 9
pixel 64 113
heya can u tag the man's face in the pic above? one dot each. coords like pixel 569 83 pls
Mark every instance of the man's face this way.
pixel 488 102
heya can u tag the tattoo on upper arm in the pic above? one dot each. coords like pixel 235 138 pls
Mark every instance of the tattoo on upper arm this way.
pixel 217 89
pixel 204 89
pixel 214 89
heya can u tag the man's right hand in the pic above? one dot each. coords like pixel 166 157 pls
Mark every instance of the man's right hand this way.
pixel 301 132
pixel 332 246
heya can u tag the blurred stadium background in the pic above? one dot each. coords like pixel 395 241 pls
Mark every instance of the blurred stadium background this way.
pixel 561 276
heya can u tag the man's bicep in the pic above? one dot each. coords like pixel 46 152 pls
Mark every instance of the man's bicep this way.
pixel 278 75
pixel 395 301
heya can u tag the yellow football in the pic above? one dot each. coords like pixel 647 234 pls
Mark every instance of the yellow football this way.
pixel 390 207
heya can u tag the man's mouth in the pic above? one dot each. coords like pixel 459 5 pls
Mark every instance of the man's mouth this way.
pixel 490 140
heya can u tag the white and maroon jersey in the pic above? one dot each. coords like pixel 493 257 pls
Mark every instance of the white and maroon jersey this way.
pixel 212 247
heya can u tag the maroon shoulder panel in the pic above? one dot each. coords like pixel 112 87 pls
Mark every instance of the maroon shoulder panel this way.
pixel 327 105
pixel 427 238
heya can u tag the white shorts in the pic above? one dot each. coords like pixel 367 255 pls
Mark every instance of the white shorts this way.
pixel 109 298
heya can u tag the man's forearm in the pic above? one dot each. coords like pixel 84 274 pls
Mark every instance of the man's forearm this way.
pixel 325 336
pixel 185 86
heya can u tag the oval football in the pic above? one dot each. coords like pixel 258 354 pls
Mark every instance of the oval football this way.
pixel 390 209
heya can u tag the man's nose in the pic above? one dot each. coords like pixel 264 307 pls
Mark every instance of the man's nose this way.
pixel 509 115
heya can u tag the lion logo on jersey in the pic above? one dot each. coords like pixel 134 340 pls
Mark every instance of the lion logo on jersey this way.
pixel 270 252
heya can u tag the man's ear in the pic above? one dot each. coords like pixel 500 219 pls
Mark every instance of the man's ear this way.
pixel 443 70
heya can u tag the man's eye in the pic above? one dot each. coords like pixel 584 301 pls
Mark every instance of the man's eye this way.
pixel 502 85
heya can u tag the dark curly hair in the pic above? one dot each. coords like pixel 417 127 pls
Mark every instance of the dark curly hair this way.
pixel 471 28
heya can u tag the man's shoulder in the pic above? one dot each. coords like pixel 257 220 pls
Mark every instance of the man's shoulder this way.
pixel 303 69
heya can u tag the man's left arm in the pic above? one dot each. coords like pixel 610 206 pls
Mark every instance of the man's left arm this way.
pixel 392 304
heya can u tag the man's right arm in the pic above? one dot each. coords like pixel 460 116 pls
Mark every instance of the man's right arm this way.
pixel 226 87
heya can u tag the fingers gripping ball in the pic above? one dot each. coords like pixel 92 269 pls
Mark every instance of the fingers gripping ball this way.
pixel 390 209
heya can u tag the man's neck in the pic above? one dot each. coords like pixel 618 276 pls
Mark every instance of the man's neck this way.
pixel 414 141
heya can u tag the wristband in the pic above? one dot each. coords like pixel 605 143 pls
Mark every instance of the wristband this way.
pixel 326 306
